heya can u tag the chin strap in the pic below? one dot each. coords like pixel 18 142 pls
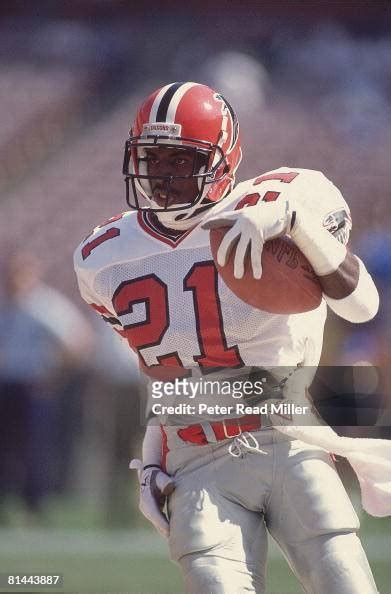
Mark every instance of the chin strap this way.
pixel 167 219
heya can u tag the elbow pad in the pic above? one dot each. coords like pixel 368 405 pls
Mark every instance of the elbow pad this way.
pixel 362 304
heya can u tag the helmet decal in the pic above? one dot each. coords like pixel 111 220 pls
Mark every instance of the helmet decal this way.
pixel 234 120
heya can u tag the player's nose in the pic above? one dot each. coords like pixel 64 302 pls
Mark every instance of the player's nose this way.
pixel 167 170
pixel 163 167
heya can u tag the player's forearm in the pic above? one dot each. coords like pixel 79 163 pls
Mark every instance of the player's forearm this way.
pixel 155 484
pixel 152 445
pixel 362 304
pixel 347 286
pixel 343 281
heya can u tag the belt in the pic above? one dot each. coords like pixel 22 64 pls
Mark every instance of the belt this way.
pixel 200 433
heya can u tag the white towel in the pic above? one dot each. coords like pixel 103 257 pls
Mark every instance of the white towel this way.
pixel 369 458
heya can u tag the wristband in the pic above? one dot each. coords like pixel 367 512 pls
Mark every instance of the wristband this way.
pixel 323 251
pixel 151 466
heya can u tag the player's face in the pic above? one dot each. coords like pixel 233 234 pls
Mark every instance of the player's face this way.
pixel 166 162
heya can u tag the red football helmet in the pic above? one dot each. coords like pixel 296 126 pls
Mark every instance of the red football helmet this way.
pixel 194 117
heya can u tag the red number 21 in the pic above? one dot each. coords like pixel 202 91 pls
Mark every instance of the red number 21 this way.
pixel 152 293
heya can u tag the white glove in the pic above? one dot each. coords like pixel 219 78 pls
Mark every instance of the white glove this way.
pixel 251 227
pixel 155 486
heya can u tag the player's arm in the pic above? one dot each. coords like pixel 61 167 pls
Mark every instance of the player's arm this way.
pixel 347 286
pixel 155 484
pixel 87 264
pixel 94 300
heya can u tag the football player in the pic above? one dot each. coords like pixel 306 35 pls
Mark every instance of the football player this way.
pixel 150 274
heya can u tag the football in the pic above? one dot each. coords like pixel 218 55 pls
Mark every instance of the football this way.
pixel 288 284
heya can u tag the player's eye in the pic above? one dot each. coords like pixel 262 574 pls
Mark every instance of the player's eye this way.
pixel 182 161
pixel 152 160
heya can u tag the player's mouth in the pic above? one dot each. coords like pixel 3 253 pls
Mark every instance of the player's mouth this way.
pixel 165 199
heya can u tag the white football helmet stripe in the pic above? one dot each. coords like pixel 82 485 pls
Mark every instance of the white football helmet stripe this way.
pixel 156 103
pixel 172 108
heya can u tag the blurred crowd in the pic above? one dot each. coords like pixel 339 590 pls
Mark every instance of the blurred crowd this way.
pixel 314 95
pixel 64 388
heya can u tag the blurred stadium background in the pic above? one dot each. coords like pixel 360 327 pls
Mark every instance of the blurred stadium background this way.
pixel 311 83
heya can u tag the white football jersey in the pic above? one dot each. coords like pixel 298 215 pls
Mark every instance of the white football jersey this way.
pixel 161 291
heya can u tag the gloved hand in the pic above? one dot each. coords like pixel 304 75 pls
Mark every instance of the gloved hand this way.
pixel 155 486
pixel 251 227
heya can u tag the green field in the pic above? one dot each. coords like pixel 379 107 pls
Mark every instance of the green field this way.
pixel 136 561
